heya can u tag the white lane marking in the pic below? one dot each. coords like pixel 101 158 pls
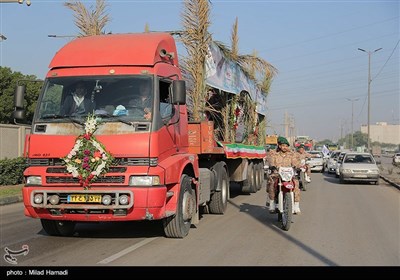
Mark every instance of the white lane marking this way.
pixel 126 251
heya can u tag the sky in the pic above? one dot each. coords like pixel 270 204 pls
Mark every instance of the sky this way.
pixel 322 81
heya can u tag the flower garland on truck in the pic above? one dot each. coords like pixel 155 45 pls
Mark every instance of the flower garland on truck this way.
pixel 88 159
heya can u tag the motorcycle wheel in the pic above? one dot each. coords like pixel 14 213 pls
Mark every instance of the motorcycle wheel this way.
pixel 286 216
pixel 303 181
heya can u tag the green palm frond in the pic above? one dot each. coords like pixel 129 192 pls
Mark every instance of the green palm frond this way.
pixel 196 38
pixel 90 22
pixel 235 40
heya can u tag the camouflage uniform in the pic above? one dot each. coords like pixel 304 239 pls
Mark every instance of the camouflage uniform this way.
pixel 303 156
pixel 281 159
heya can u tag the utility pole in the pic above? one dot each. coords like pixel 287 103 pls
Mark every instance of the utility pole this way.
pixel 369 92
pixel 352 118
pixel 286 125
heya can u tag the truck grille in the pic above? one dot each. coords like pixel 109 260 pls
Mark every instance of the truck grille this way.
pixel 72 180
pixel 117 161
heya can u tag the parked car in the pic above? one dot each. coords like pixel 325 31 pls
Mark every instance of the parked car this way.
pixel 359 167
pixel 396 158
pixel 317 163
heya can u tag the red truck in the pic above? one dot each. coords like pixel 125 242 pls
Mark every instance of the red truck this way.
pixel 124 167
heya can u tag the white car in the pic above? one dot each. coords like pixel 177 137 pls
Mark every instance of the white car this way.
pixel 359 167
pixel 338 163
pixel 331 164
pixel 316 163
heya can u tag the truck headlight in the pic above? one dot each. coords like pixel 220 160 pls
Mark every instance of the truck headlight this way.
pixel 347 171
pixel 34 180
pixel 144 181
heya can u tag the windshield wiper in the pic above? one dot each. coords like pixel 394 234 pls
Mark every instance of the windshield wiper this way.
pixel 55 116
pixel 109 116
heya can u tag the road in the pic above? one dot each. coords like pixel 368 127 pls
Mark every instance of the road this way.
pixel 340 225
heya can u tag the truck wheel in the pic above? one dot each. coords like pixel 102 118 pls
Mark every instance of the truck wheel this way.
pixel 251 177
pixel 58 228
pixel 219 199
pixel 257 183
pixel 261 175
pixel 178 225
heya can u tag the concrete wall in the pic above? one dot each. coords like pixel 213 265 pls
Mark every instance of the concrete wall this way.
pixel 383 132
pixel 12 140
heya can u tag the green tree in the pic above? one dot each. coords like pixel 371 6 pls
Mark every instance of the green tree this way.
pixel 325 142
pixel 360 139
pixel 8 83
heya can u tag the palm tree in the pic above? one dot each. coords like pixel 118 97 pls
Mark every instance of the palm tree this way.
pixel 90 22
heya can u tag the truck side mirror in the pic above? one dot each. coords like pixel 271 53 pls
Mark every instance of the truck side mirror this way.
pixel 178 92
pixel 19 96
pixel 19 112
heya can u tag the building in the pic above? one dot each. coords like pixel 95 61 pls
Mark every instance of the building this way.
pixel 383 132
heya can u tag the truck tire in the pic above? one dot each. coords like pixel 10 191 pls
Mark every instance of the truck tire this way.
pixel 58 228
pixel 178 225
pixel 219 199
pixel 260 175
pixel 251 177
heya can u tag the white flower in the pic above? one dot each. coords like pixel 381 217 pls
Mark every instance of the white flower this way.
pixel 90 125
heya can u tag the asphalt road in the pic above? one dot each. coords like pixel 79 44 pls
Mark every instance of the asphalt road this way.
pixel 340 225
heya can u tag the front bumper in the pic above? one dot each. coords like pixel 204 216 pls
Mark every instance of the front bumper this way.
pixel 145 203
pixel 316 167
pixel 360 177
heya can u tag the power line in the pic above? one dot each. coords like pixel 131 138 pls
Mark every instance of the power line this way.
pixel 387 60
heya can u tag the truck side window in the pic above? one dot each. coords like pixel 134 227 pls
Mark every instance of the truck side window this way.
pixel 165 105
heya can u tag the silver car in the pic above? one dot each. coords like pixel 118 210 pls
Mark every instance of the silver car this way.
pixel 331 164
pixel 359 167
pixel 317 163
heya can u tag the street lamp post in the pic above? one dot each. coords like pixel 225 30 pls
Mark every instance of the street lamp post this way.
pixel 369 91
pixel 28 2
pixel 352 117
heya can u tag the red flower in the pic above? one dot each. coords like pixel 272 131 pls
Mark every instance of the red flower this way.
pixel 86 136
pixel 237 111
pixel 97 154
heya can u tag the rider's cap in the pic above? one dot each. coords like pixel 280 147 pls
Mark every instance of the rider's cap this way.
pixel 301 146
pixel 283 140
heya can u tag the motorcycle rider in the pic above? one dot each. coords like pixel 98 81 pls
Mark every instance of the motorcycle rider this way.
pixel 282 157
pixel 303 155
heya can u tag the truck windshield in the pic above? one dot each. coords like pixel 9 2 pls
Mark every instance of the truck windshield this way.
pixel 116 98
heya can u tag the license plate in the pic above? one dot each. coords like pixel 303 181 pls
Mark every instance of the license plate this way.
pixel 360 176
pixel 79 198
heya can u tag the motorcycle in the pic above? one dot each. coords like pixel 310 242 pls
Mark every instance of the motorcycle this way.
pixel 285 185
pixel 302 176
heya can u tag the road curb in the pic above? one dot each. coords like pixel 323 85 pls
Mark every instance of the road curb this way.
pixel 390 182
pixel 10 199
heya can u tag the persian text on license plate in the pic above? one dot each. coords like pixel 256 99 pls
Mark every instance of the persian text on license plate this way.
pixel 79 198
